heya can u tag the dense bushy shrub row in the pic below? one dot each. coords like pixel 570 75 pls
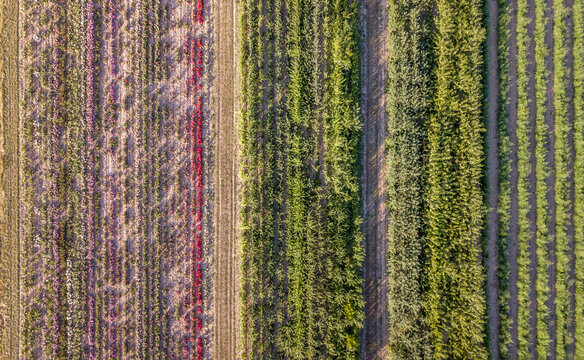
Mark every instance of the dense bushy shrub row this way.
pixel 455 297
pixel 409 102
pixel 300 135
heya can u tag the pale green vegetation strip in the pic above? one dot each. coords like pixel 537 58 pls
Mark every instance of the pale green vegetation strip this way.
pixel 456 299
pixel 75 272
pixel 579 174
pixel 564 176
pixel 524 167
pixel 543 169
pixel 409 100
pixel 245 282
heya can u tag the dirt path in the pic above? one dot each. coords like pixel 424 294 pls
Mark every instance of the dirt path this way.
pixel 374 55
pixel 225 324
pixel 492 175
pixel 9 180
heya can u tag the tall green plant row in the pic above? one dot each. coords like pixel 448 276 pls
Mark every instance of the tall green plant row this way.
pixel 456 301
pixel 409 101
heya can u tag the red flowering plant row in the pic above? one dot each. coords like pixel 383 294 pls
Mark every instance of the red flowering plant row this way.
pixel 193 342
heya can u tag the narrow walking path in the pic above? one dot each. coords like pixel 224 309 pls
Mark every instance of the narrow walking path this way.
pixel 374 64
pixel 492 178
pixel 225 271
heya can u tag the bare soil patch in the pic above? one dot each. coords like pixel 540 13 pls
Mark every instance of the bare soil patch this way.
pixel 9 180
pixel 492 178
pixel 532 214
pixel 374 77
pixel 225 249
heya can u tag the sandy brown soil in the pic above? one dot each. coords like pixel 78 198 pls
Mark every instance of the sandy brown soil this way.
pixel 532 214
pixel 374 55
pixel 9 180
pixel 492 179
pixel 225 270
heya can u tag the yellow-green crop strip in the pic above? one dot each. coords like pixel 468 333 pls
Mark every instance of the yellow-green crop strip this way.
pixel 542 170
pixel 564 173
pixel 579 175
pixel 456 300
pixel 524 168
pixel 409 100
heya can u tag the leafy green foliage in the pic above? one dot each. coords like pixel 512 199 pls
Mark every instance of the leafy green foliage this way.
pixel 542 170
pixel 409 100
pixel 259 177
pixel 504 190
pixel 524 192
pixel 301 237
pixel 455 298
pixel 579 175
pixel 342 136
pixel 564 174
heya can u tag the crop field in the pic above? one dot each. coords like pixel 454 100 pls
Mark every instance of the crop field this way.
pixel 292 179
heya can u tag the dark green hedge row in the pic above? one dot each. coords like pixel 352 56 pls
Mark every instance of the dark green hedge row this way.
pixel 300 134
pixel 262 131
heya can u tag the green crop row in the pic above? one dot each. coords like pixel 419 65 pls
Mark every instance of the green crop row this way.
pixel 409 101
pixel 301 332
pixel 75 155
pixel 578 11
pixel 543 169
pixel 342 138
pixel 301 244
pixel 541 140
pixel 263 133
pixel 524 192
pixel 455 298
pixel 504 189
pixel 564 173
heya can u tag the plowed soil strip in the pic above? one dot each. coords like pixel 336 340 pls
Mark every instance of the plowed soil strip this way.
pixel 225 249
pixel 9 239
pixel 492 175
pixel 374 30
